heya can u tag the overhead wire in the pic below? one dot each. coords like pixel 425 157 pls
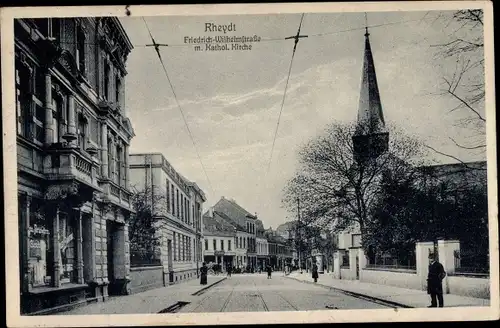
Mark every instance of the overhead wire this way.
pixel 156 46
pixel 296 38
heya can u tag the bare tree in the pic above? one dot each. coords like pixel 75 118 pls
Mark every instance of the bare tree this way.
pixel 337 191
pixel 465 84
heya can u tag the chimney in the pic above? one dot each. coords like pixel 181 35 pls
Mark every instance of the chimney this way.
pixel 211 212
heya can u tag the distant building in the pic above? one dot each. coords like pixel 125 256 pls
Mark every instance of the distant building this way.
pixel 73 137
pixel 245 224
pixel 219 239
pixel 179 215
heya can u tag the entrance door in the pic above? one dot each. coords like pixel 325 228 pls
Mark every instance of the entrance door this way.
pixel 170 264
pixel 110 231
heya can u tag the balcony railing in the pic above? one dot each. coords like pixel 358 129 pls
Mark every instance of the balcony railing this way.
pixel 61 162
pixel 116 193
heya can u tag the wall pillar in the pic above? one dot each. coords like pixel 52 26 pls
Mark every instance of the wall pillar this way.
pixel 362 258
pixel 422 250
pixel 104 150
pixel 48 126
pixel 79 248
pixel 319 262
pixel 353 254
pixel 446 251
pixel 337 261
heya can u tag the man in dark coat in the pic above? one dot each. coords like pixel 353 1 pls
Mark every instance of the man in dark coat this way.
pixel 269 271
pixel 434 282
pixel 315 272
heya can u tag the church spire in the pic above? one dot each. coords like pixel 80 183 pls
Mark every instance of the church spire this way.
pixel 370 114
pixel 371 137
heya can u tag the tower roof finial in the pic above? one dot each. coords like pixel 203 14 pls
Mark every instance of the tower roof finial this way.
pixel 366 25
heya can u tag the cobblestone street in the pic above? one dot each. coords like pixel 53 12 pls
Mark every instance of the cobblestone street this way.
pixel 257 293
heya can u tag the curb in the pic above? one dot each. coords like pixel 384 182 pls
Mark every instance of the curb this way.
pixel 357 295
pixel 200 291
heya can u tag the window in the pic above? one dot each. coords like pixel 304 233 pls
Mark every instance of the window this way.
pixel 118 89
pixel 222 245
pixel 182 208
pixel 173 200
pixel 110 159
pixel 228 245
pixel 215 244
pixel 184 247
pixel 82 135
pixel 179 247
pixel 178 207
pixel 94 130
pixel 40 246
pixel 49 27
pixel 119 165
pixel 57 118
pixel 23 101
pixel 80 49
pixel 175 245
pixel 168 195
pixel 107 72
pixel 67 248
pixel 206 244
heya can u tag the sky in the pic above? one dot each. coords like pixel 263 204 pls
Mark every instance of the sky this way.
pixel 231 99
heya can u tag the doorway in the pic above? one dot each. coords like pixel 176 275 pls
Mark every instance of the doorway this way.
pixel 111 230
pixel 169 262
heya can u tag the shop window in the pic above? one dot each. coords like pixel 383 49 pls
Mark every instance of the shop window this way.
pixel 67 248
pixel 40 250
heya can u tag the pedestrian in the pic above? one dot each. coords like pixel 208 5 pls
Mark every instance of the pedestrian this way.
pixel 434 281
pixel 203 274
pixel 229 269
pixel 269 271
pixel 315 272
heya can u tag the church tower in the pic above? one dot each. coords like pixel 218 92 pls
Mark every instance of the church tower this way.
pixel 371 138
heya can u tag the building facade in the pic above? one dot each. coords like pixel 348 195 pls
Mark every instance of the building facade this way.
pixel 219 240
pixel 177 204
pixel 262 251
pixel 246 230
pixel 73 137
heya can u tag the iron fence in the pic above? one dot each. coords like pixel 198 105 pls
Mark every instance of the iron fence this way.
pixel 141 258
pixel 470 261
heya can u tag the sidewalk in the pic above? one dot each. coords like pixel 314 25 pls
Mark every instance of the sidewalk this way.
pixel 401 297
pixel 150 301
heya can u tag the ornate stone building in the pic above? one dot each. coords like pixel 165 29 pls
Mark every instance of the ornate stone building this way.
pixel 177 206
pixel 73 137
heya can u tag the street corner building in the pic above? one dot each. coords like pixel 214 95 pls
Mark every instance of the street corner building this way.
pixel 177 205
pixel 73 137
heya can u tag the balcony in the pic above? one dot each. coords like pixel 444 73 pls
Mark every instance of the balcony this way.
pixel 116 194
pixel 65 163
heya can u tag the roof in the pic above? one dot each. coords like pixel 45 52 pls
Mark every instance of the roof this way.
pixel 217 224
pixel 233 211
pixel 284 227
pixel 466 174
pixel 370 114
